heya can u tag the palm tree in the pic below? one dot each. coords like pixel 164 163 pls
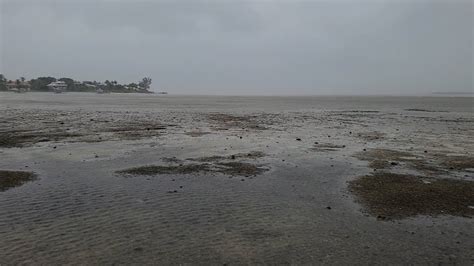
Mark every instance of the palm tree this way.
pixel 145 83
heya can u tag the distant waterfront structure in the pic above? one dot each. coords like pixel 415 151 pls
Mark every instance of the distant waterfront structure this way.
pixel 18 86
pixel 58 86
pixel 65 84
pixel 89 85
pixel 162 92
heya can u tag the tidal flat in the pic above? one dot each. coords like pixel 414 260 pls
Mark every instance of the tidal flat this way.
pixel 147 179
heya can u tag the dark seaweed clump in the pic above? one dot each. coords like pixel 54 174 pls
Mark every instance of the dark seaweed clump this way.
pixel 226 168
pixel 396 196
pixel 11 179
pixel 166 169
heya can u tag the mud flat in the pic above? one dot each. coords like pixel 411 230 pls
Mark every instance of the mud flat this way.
pixel 137 179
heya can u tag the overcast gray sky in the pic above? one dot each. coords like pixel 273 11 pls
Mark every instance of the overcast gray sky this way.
pixel 245 47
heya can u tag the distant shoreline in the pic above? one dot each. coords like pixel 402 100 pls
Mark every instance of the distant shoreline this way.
pixel 454 93
pixel 434 95
pixel 89 92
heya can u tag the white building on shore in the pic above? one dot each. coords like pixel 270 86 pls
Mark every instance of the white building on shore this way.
pixel 58 86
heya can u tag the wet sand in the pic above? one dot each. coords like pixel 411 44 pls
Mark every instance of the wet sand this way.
pixel 121 179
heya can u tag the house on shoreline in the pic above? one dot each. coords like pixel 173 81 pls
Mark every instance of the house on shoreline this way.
pixel 57 86
pixel 18 86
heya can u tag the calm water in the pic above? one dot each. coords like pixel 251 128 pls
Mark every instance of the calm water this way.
pixel 234 103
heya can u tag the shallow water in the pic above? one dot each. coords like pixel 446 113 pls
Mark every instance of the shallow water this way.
pixel 80 211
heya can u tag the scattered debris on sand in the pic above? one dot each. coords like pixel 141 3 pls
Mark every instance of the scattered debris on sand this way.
pixel 250 155
pixel 359 111
pixel 137 127
pixel 245 122
pixel 130 130
pixel 171 160
pixel 371 136
pixel 386 154
pixel 327 147
pixel 25 138
pixel 197 133
pixel 213 158
pixel 429 164
pixel 426 167
pixel 240 169
pixel 11 179
pixel 379 164
pixel 36 126
pixel 458 162
pixel 423 110
pixel 382 158
pixel 397 196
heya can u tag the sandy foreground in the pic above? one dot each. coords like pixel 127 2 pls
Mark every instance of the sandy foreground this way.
pixel 154 179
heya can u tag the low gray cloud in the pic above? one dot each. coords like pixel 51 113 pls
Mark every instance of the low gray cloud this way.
pixel 246 47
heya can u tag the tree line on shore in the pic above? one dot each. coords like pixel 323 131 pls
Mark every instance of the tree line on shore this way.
pixel 41 84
